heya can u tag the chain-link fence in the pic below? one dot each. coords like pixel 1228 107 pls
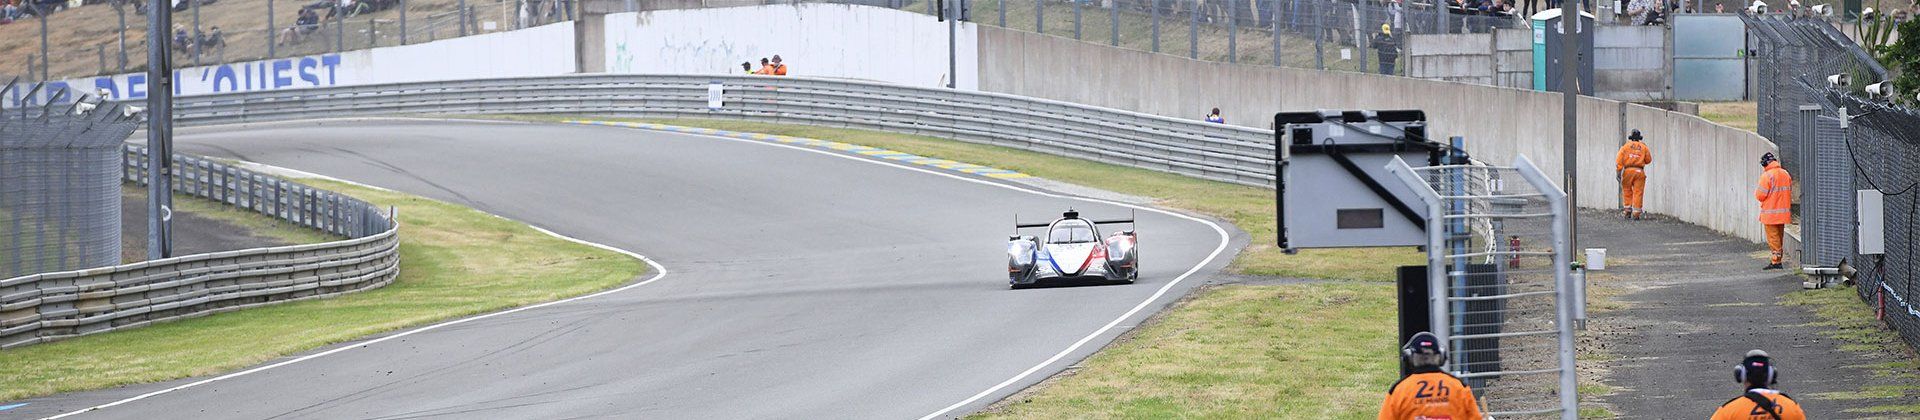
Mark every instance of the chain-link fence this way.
pixel 1505 301
pixel 110 37
pixel 1841 143
pixel 60 185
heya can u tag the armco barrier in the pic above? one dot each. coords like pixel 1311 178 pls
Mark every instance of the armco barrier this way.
pixel 1210 151
pixel 52 306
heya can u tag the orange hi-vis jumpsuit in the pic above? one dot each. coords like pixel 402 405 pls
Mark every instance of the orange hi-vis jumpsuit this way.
pixel 1631 163
pixel 1430 394
pixel 1744 408
pixel 1776 205
pixel 779 69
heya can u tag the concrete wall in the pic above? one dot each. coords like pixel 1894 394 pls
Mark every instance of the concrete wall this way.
pixel 1451 57
pixel 1631 63
pixel 1702 173
pixel 825 40
pixel 1513 58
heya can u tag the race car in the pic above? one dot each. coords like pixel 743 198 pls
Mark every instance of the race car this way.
pixel 1072 251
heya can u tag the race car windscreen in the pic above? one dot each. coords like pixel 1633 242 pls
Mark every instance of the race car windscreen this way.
pixel 1070 231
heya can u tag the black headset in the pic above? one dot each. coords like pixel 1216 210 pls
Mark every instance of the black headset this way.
pixel 1767 158
pixel 1756 361
pixel 1406 350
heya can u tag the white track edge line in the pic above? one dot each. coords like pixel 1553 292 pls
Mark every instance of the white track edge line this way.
pixel 1222 247
pixel 659 273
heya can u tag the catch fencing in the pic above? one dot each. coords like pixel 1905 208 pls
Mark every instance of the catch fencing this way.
pixel 1506 310
pixel 1840 143
pixel 59 186
pixel 222 36
pixel 52 306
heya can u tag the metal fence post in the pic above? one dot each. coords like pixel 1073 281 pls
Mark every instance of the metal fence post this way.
pixel 461 12
pixel 1233 31
pixel 1193 32
pixel 1360 42
pixel 1155 5
pixel 1040 16
pixel 373 31
pixel 1275 6
pixel 403 22
pixel 195 4
pixel 40 14
pixel 1319 37
pixel 1076 18
pixel 340 32
pixel 1113 17
pixel 1002 5
pixel 120 10
pixel 273 39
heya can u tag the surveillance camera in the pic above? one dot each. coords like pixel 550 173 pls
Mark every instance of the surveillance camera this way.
pixel 1882 89
pixel 1757 8
pixel 1823 10
pixel 1839 80
pixel 1866 13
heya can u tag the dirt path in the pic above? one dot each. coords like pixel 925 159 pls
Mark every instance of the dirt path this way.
pixel 1694 302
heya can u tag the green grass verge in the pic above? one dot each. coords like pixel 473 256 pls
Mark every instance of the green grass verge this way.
pixel 252 222
pixel 1843 318
pixel 1249 208
pixel 1741 115
pixel 1286 351
pixel 455 262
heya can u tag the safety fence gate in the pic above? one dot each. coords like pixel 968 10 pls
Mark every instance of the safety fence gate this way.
pixel 1500 291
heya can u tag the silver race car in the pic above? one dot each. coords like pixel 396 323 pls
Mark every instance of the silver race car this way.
pixel 1072 251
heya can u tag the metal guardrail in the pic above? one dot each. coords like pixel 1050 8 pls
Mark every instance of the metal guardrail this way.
pixel 1188 147
pixel 51 306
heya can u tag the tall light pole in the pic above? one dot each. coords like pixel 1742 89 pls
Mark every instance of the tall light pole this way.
pixel 950 11
pixel 1569 100
pixel 159 130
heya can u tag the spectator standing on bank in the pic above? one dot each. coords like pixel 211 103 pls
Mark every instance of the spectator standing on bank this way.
pixel 766 67
pixel 1643 11
pixel 1387 48
pixel 779 68
pixel 746 67
pixel 1216 118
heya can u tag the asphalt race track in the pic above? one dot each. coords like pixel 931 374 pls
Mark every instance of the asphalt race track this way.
pixel 799 284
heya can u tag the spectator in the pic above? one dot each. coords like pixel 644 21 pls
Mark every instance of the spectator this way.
pixel 1216 118
pixel 779 69
pixel 1719 7
pixel 746 67
pixel 214 39
pixel 1398 14
pixel 307 23
pixel 1387 49
pixel 181 41
pixel 766 67
pixel 9 12
pixel 1642 11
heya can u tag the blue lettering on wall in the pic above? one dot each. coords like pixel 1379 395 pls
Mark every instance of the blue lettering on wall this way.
pixel 280 77
pixel 106 84
pixel 137 86
pixel 332 62
pixel 225 73
pixel 306 71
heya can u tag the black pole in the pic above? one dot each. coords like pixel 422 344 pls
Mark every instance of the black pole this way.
pixel 121 10
pixel 195 4
pixel 1156 24
pixel 1193 32
pixel 159 131
pixel 273 34
pixel 403 22
pixel 41 13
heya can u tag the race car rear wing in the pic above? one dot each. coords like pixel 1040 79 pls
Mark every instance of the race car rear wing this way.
pixel 1070 214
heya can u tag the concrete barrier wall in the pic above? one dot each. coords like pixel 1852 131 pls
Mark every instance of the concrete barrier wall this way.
pixel 1633 63
pixel 1703 173
pixel 814 39
pixel 1513 58
pixel 1451 57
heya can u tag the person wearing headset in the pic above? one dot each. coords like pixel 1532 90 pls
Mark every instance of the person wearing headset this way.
pixel 1427 392
pixel 1759 402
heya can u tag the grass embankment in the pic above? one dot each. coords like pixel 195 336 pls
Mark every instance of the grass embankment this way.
pixel 1843 318
pixel 1741 115
pixel 1249 208
pixel 455 261
pixel 1313 350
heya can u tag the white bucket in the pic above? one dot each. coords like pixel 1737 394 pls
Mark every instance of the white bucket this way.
pixel 1596 259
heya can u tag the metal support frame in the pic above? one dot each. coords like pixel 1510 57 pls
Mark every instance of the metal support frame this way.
pixel 159 131
pixel 1568 293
